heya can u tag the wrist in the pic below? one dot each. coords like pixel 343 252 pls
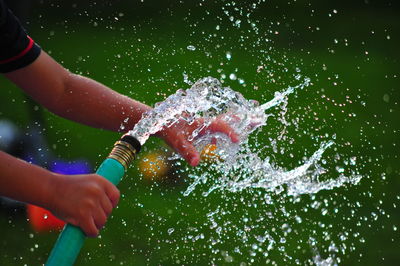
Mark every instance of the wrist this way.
pixel 51 188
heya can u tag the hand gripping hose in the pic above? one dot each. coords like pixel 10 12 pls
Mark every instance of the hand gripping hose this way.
pixel 71 239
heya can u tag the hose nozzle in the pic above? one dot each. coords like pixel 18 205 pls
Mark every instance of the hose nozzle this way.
pixel 125 150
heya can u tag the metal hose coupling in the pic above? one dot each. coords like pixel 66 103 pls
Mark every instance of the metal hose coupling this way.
pixel 125 150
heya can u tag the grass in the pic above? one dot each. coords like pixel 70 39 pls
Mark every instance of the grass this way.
pixel 147 62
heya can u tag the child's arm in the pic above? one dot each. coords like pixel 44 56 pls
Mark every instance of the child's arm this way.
pixel 82 200
pixel 86 101
pixel 76 97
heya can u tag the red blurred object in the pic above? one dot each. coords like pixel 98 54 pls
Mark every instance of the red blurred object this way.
pixel 43 220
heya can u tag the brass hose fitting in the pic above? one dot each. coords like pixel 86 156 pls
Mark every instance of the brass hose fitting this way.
pixel 125 150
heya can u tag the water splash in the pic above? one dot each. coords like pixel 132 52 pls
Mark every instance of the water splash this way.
pixel 248 171
pixel 240 166
pixel 207 99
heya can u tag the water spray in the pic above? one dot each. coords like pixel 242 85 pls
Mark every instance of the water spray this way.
pixel 71 239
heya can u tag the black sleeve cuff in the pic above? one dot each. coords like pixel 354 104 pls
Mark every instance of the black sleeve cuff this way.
pixel 22 60
pixel 17 49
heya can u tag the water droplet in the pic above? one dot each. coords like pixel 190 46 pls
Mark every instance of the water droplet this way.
pixel 386 98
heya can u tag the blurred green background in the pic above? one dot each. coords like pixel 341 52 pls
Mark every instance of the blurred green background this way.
pixel 349 50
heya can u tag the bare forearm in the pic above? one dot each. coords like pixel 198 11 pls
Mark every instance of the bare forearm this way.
pixel 25 182
pixel 75 97
pixel 91 103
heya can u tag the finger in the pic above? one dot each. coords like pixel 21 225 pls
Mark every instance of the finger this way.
pixel 89 227
pixel 184 148
pixel 188 152
pixel 107 205
pixel 99 218
pixel 113 193
pixel 221 127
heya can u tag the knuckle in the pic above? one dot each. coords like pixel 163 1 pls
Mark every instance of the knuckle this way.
pixel 89 204
pixel 95 190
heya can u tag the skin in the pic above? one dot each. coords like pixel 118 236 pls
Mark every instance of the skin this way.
pixel 82 200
